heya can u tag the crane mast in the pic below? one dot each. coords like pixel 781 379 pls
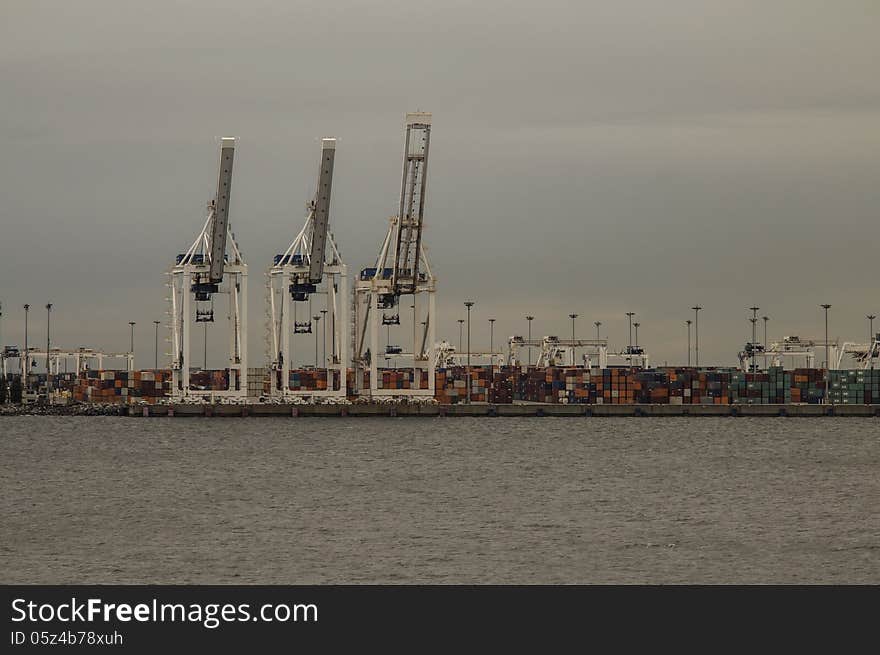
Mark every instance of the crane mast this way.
pixel 405 276
pixel 218 219
pixel 220 222
pixel 320 210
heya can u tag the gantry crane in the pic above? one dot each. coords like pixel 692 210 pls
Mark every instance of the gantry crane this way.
pixel 401 269
pixel 789 352
pixel 83 358
pixel 554 351
pixel 212 265
pixel 863 355
pixel 297 274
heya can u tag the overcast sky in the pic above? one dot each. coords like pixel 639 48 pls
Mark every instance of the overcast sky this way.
pixel 588 157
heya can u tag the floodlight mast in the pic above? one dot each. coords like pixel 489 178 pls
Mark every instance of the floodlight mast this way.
pixel 310 260
pixel 213 264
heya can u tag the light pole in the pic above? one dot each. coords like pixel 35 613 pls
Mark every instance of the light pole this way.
pixel 156 347
pixel 530 319
pixel 689 321
pixel 871 335
pixel 629 349
pixel 754 322
pixel 317 318
pixel 696 309
pixel 598 338
pixel 469 304
pixel 636 326
pixel 827 348
pixel 826 307
pixel 492 345
pixel 27 357
pixel 48 341
pixel 415 331
pixel 765 319
pixel 460 333
pixel 324 337
pixel 333 336
pixel 131 324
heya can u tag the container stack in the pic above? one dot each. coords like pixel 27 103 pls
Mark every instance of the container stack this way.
pixel 207 380
pixel 616 387
pixel 855 387
pixel 449 386
pixel 538 385
pixel 351 383
pixel 505 387
pixel 390 378
pixel 480 382
pixel 808 385
pixel 61 381
pixel 122 386
pixel 308 380
pixel 579 387
pixel 257 382
pixel 651 387
pixel 689 386
pixel 772 387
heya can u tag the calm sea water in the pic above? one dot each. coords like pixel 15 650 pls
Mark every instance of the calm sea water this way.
pixel 520 500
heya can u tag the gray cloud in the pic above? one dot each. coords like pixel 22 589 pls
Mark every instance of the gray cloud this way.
pixel 593 157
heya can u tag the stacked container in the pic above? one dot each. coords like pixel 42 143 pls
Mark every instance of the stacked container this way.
pixel 123 386
pixel 855 387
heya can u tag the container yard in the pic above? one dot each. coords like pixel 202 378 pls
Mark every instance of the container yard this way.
pixel 307 293
pixel 529 389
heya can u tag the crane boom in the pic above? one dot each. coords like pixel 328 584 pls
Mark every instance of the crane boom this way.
pixel 412 203
pixel 321 211
pixel 220 222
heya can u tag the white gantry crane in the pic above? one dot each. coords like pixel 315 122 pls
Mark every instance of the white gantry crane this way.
pixel 311 262
pixel 401 269
pixel 553 351
pixel 863 355
pixel 446 356
pixel 83 358
pixel 212 266
pixel 792 352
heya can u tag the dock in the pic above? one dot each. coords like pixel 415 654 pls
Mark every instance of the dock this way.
pixel 492 410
